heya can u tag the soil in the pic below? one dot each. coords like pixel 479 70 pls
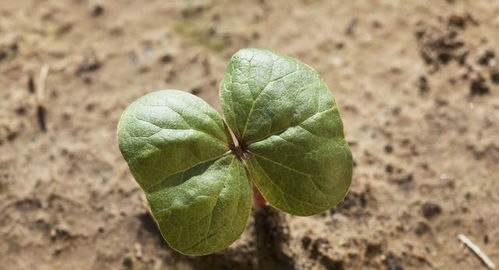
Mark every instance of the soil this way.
pixel 417 83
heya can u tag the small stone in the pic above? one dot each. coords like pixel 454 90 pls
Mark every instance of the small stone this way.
pixel 195 91
pixel 21 110
pixel 430 210
pixel 373 250
pixel 337 61
pixel 167 58
pixel 127 262
pixel 495 77
pixel 421 228
pixel 57 251
pixel 388 148
pixel 3 55
pixel 305 242
pixel 318 244
pixel 486 58
pixel 479 87
pixel 389 168
pixel 97 10
pixel 457 21
pixel 423 84
pixel 393 262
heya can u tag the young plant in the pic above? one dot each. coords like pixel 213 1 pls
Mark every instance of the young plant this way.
pixel 287 140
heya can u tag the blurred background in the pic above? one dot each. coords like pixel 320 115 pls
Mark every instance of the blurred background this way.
pixel 417 83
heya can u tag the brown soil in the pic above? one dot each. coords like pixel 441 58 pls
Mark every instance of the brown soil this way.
pixel 417 83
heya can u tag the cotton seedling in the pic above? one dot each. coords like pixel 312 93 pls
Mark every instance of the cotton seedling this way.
pixel 280 132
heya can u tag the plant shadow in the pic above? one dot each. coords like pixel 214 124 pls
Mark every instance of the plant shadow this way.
pixel 242 258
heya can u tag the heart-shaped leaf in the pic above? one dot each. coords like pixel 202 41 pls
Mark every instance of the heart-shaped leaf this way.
pixel 286 117
pixel 203 209
pixel 176 147
pixel 169 131
pixel 289 143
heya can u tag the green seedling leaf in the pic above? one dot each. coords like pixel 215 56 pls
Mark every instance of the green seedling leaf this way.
pixel 205 208
pixel 285 114
pixel 289 144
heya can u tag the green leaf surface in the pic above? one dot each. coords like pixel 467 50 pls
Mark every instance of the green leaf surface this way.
pixel 204 209
pixel 284 112
pixel 197 180
pixel 176 147
pixel 169 131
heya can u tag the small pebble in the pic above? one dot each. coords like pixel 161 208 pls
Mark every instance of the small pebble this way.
pixel 430 210
pixel 97 10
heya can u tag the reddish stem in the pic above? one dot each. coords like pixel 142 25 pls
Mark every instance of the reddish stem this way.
pixel 258 199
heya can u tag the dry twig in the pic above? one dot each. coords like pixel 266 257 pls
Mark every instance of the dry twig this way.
pixel 478 252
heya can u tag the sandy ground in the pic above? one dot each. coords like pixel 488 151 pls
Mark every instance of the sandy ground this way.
pixel 417 83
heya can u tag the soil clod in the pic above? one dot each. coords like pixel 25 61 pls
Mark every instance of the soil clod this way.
pixel 430 210
pixel 478 87
pixel 97 10
pixel 393 262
